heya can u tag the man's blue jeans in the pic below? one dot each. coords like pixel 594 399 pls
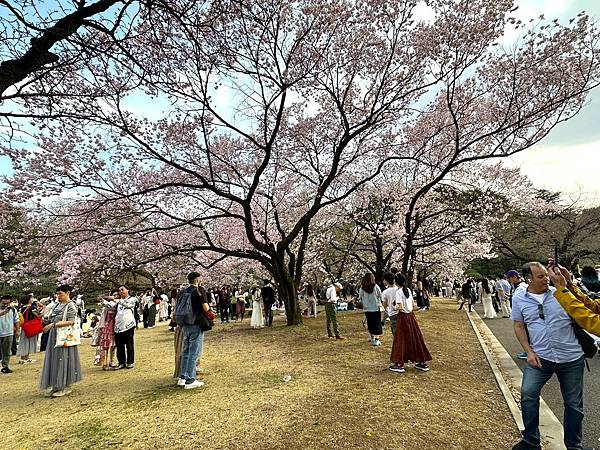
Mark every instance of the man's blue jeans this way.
pixel 193 339
pixel 570 377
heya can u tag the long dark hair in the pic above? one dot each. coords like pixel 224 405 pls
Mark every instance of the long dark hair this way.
pixel 401 281
pixel 486 286
pixel 26 299
pixel 368 283
pixel 310 291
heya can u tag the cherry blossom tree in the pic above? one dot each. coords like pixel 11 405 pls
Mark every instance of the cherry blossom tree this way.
pixel 462 207
pixel 224 128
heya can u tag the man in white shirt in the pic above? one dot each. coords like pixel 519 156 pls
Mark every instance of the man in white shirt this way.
pixel 124 329
pixel 330 310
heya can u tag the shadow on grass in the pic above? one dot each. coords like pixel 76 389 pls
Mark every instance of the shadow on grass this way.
pixel 87 435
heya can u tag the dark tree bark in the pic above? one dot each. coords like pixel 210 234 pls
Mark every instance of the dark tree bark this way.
pixel 39 53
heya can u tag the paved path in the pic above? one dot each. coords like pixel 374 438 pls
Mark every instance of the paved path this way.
pixel 503 330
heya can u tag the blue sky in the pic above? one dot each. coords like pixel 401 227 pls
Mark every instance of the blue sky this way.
pixel 568 160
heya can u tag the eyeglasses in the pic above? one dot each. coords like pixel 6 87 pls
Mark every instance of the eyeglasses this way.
pixel 541 311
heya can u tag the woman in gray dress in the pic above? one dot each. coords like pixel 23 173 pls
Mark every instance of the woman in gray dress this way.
pixel 61 365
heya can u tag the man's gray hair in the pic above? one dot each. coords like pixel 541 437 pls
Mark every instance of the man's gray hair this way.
pixel 527 272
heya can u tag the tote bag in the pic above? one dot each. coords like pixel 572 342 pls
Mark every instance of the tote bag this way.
pixel 32 327
pixel 68 336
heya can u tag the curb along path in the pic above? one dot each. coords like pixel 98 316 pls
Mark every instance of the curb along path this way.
pixel 509 376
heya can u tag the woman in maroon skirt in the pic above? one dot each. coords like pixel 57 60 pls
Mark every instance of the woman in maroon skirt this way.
pixel 409 345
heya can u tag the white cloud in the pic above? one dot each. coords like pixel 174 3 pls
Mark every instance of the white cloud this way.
pixel 572 170
pixel 423 12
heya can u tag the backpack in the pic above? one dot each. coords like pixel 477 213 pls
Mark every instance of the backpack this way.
pixel 184 314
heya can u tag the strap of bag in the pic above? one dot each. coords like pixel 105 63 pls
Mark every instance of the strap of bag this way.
pixel 27 314
pixel 64 318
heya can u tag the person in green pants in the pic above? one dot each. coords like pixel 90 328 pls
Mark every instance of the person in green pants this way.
pixel 330 310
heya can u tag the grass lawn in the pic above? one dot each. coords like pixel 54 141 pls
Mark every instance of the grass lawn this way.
pixel 341 394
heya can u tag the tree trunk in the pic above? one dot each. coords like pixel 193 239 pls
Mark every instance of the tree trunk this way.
pixel 408 262
pixel 407 257
pixel 379 271
pixel 286 288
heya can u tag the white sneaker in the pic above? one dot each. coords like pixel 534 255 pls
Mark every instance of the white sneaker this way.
pixel 195 384
pixel 180 382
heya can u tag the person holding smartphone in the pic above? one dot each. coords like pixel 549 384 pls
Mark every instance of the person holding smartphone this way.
pixel 584 310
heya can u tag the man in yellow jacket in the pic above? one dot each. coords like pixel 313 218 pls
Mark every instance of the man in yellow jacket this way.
pixel 584 310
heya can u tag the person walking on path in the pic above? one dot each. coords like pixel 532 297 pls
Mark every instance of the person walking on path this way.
pixel 515 281
pixel 408 344
pixel 485 295
pixel 28 345
pixel 503 289
pixel 458 292
pixel 62 366
pixel 124 329
pixel 268 295
pixel 9 324
pixel 552 348
pixel 331 312
pixel 370 296
pixel 468 293
pixel 193 336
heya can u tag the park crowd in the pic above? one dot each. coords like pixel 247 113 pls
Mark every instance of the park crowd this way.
pixel 55 325
pixel 550 309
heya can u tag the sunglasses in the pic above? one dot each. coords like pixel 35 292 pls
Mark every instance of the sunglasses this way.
pixel 541 312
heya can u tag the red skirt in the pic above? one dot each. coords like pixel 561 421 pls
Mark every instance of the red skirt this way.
pixel 409 345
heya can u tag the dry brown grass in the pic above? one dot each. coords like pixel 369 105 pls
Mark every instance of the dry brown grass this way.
pixel 341 394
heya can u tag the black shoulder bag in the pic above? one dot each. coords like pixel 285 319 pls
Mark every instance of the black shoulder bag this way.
pixel 588 344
